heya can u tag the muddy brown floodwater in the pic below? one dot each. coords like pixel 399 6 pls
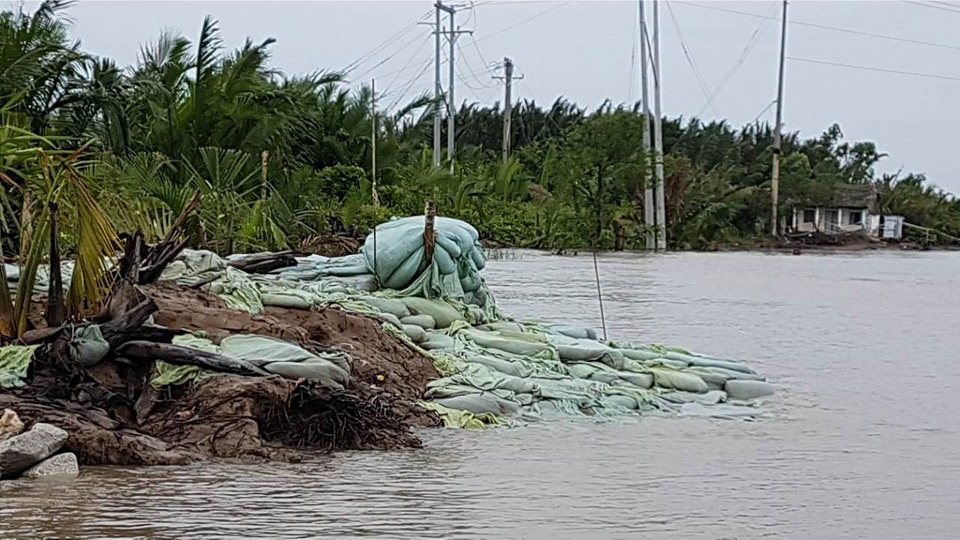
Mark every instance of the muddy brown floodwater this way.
pixel 862 440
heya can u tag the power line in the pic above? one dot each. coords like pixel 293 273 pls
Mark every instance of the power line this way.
pixel 387 42
pixel 881 70
pixel 402 93
pixel 743 57
pixel 947 9
pixel 388 58
pixel 833 28
pixel 463 56
pixel 764 111
pixel 693 65
pixel 524 21
pixel 409 63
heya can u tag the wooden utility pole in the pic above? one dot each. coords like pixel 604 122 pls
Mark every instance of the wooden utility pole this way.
pixel 648 200
pixel 775 175
pixel 373 143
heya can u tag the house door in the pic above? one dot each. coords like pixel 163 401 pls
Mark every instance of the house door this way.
pixel 833 220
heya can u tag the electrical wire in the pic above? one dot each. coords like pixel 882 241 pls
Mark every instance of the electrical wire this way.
pixel 831 28
pixel 392 56
pixel 878 69
pixel 524 21
pixel 483 84
pixel 947 9
pixel 387 42
pixel 405 67
pixel 403 93
pixel 693 65
pixel 743 57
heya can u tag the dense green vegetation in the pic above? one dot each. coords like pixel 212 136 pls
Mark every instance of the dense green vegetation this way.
pixel 280 159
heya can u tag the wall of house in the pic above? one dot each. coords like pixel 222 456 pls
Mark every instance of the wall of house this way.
pixel 821 222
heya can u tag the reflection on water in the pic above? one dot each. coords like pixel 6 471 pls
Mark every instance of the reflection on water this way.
pixel 862 441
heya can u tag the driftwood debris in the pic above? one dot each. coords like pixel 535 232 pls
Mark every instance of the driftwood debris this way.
pixel 174 354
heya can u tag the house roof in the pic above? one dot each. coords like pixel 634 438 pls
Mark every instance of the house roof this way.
pixel 854 196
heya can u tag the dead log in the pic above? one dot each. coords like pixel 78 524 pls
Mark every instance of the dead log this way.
pixel 262 263
pixel 183 356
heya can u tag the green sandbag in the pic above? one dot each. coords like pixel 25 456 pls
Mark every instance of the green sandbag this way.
pixel 701 361
pixel 748 389
pixel 502 326
pixel 637 354
pixel 392 306
pixel 668 378
pixel 476 403
pixel 496 364
pixel 454 418
pixel 325 373
pixel 642 380
pixel 87 346
pixel 621 402
pixel 14 362
pixel 712 397
pixel 292 301
pixel 425 322
pixel 415 333
pixel 406 272
pixel 520 347
pixel 442 312
pixel 576 332
pixel 435 341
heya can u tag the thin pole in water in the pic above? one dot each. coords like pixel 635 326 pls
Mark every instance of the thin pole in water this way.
pixel 596 272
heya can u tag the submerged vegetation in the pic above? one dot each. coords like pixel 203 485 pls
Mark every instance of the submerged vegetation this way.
pixel 280 160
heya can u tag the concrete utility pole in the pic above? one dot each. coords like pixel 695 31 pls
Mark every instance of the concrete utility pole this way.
pixel 452 34
pixel 373 142
pixel 660 199
pixel 436 91
pixel 507 79
pixel 648 203
pixel 451 104
pixel 507 106
pixel 775 175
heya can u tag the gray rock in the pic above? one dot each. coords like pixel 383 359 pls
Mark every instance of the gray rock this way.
pixel 29 448
pixel 62 465
pixel 748 389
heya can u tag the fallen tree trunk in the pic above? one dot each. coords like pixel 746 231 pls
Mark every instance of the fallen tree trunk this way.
pixel 183 356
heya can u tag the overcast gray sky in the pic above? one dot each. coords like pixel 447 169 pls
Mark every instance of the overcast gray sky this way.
pixel 585 50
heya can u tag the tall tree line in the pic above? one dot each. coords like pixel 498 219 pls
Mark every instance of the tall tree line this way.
pixel 281 159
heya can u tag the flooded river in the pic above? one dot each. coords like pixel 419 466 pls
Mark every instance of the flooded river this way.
pixel 862 441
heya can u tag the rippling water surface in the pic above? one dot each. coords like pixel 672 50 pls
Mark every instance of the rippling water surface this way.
pixel 862 441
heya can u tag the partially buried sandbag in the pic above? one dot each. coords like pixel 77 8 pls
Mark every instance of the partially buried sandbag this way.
pixel 414 332
pixel 480 404
pixel 435 340
pixel 425 322
pixel 519 344
pixel 322 372
pixel 442 312
pixel 576 332
pixel 668 378
pixel 737 389
pixel 393 306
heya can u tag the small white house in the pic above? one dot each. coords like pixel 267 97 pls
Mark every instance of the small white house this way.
pixel 852 208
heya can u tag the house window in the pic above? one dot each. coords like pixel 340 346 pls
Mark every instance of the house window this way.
pixel 856 218
pixel 809 216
